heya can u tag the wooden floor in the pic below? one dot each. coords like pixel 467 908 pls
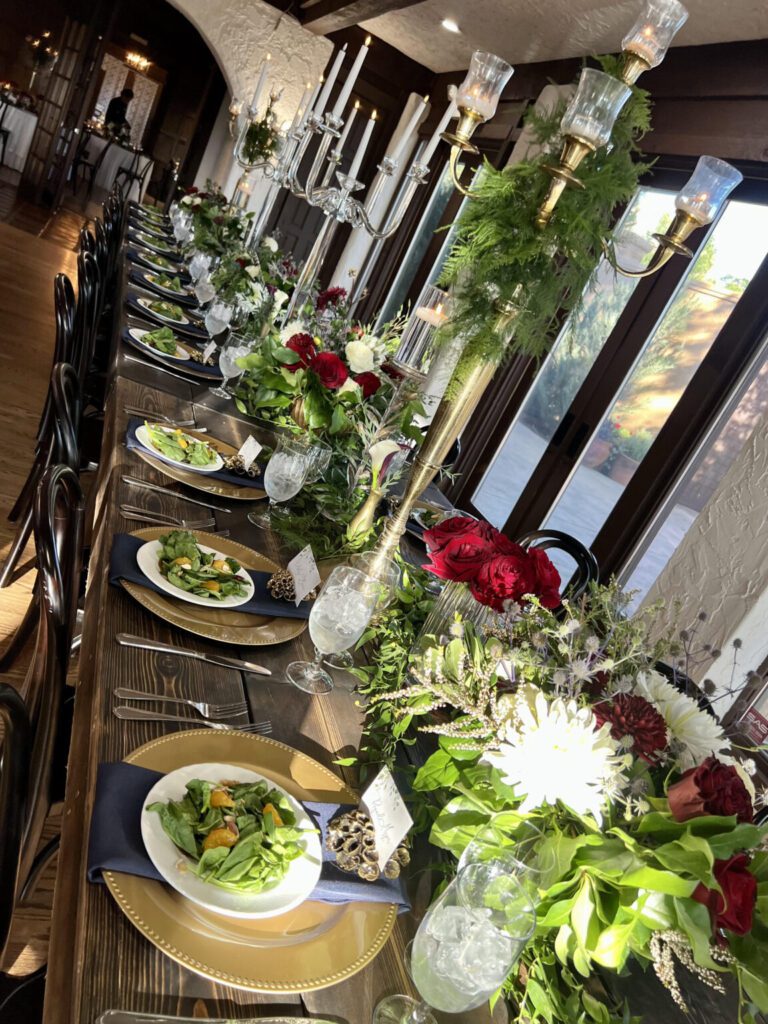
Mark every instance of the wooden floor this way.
pixel 29 259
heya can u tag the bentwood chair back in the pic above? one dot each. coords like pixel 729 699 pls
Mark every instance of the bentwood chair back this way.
pixel 587 569
pixel 15 747
pixel 87 316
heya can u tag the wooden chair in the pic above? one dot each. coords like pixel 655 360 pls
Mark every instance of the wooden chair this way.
pixel 14 779
pixel 587 569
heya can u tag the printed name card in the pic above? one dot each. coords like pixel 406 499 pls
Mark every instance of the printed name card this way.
pixel 249 451
pixel 303 568
pixel 208 351
pixel 385 807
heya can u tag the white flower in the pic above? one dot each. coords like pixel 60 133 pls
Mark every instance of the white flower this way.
pixel 291 328
pixel 196 200
pixel 253 272
pixel 359 356
pixel 186 200
pixel 552 751
pixel 380 451
pixel 279 298
pixel 269 244
pixel 694 731
pixel 349 386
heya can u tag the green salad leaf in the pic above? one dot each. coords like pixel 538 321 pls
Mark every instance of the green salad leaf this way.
pixel 156 242
pixel 172 284
pixel 198 572
pixel 175 444
pixel 167 309
pixel 160 261
pixel 241 835
pixel 163 339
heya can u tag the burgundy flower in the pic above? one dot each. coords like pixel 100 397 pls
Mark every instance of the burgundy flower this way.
pixel 330 297
pixel 218 220
pixel 304 347
pixel 712 788
pixel 369 382
pixel 191 190
pixel 632 715
pixel 461 558
pixel 547 578
pixel 456 526
pixel 242 263
pixel 504 578
pixel 733 908
pixel 330 369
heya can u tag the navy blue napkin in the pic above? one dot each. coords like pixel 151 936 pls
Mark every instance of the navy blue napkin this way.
pixel 115 842
pixel 191 329
pixel 148 241
pixel 136 276
pixel 131 441
pixel 177 364
pixel 137 256
pixel 123 566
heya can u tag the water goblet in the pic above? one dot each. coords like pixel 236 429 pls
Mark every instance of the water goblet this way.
pixel 285 475
pixel 204 290
pixel 217 318
pixel 199 265
pixel 339 616
pixel 520 846
pixel 469 940
pixel 319 460
pixel 388 575
pixel 234 348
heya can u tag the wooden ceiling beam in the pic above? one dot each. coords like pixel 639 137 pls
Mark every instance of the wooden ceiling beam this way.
pixel 327 16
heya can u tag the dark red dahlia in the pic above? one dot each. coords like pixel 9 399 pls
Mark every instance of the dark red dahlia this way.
pixel 330 297
pixel 369 382
pixel 304 347
pixel 632 715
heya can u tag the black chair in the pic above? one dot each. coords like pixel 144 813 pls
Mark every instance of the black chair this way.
pixel 134 173
pixel 14 782
pixel 5 133
pixel 87 314
pixel 587 569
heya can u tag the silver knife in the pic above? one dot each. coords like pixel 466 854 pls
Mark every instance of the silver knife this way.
pixel 126 640
pixel 135 482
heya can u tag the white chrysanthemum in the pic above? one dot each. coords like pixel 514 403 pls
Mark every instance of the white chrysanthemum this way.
pixel 253 271
pixel 695 732
pixel 291 328
pixel 553 751
pixel 269 244
pixel 359 356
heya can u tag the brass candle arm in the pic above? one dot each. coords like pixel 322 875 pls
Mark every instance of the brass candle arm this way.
pixel 668 244
pixel 459 141
pixel 562 174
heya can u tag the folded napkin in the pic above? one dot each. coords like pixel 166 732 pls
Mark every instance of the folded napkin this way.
pixel 192 329
pixel 115 842
pixel 123 566
pixel 137 277
pixel 150 241
pixel 181 364
pixel 177 270
pixel 226 475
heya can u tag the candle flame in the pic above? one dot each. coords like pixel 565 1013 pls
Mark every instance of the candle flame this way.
pixel 374 115
pixel 439 308
pixel 648 31
pixel 268 57
pixel 309 85
pixel 367 41
pixel 426 99
pixel 357 104
pixel 702 197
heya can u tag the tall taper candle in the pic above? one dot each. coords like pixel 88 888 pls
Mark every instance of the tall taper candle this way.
pixel 355 168
pixel 260 84
pixel 450 113
pixel 346 89
pixel 349 122
pixel 302 105
pixel 322 102
pixel 409 132
pixel 310 104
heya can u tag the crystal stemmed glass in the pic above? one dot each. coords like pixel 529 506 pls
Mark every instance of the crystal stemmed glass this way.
pixel 319 460
pixel 204 290
pixel 469 940
pixel 199 265
pixel 339 616
pixel 234 348
pixel 217 318
pixel 285 475
pixel 521 847
pixel 388 575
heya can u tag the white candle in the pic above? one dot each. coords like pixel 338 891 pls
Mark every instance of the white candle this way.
pixel 436 317
pixel 346 89
pixel 260 83
pixel 358 159
pixel 350 121
pixel 450 113
pixel 302 105
pixel 411 130
pixel 310 105
pixel 329 82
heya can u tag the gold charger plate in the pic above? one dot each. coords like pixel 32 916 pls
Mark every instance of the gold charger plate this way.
pixel 226 625
pixel 311 947
pixel 199 481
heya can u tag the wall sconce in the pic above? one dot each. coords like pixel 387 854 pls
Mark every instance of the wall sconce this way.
pixel 697 204
pixel 587 124
pixel 646 43
pixel 477 100
pixel 138 62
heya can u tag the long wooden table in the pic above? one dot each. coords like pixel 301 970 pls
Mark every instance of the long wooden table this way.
pixel 98 960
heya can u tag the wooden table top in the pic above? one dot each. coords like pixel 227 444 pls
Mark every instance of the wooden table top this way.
pixel 98 960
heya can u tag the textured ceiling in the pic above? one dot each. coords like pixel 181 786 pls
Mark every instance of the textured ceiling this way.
pixel 526 31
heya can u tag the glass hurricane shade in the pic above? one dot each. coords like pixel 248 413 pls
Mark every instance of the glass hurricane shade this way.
pixel 654 30
pixel 594 108
pixel 707 189
pixel 416 348
pixel 485 81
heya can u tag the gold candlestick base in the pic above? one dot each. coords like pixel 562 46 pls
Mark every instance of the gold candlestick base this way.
pixel 562 174
pixel 633 66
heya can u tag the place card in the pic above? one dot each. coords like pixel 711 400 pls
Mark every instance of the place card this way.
pixel 248 452
pixel 208 351
pixel 385 807
pixel 303 568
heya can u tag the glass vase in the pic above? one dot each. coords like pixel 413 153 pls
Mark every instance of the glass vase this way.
pixel 455 599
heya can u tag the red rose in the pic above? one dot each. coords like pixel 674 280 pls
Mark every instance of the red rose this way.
pixel 242 263
pixel 330 369
pixel 369 382
pixel 712 788
pixel 634 716
pixel 733 908
pixel 330 297
pixel 456 526
pixel 461 558
pixel 191 190
pixel 504 578
pixel 304 347
pixel 547 578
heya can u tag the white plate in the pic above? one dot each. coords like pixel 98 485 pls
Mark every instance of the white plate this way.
pixel 147 558
pixel 138 335
pixel 146 257
pixel 142 436
pixel 146 303
pixel 299 881
pixel 151 279
pixel 162 246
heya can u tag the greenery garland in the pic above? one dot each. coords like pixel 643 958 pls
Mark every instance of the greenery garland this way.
pixel 500 255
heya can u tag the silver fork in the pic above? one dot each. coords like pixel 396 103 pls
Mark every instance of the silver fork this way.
pixel 144 515
pixel 127 714
pixel 216 712
pixel 134 410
